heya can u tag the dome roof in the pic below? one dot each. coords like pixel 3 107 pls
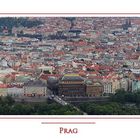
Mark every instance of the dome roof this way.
pixel 89 82
pixel 97 84
pixel 52 79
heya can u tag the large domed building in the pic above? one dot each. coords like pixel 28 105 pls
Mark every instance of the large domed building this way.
pixel 72 85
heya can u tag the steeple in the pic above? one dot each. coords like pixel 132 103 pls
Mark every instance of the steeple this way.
pixel 127 24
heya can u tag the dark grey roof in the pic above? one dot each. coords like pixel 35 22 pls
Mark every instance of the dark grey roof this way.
pixel 52 80
pixel 138 48
pixel 72 78
pixel 35 83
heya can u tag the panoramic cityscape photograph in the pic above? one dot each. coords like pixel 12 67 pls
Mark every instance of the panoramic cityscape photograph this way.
pixel 70 65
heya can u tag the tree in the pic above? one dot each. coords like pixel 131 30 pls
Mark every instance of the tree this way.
pixel 8 100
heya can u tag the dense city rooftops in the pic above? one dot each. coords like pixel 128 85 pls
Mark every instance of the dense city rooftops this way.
pixel 35 83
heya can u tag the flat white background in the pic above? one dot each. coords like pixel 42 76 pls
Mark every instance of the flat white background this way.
pixel 104 129
pixel 69 6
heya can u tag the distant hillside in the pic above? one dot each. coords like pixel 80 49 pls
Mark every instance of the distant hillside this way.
pixel 10 22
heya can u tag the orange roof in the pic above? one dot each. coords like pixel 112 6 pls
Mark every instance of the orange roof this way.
pixel 80 43
pixel 82 73
pixel 3 85
pixel 46 76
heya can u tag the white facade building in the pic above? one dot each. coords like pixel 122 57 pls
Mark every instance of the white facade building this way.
pixel 15 91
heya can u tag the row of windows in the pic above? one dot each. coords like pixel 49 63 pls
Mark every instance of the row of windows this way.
pixel 68 82
pixel 71 86
pixel 70 91
pixel 34 95
pixel 13 95
pixel 66 93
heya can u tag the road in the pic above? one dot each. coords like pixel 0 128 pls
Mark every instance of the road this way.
pixel 62 102
pixel 56 98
